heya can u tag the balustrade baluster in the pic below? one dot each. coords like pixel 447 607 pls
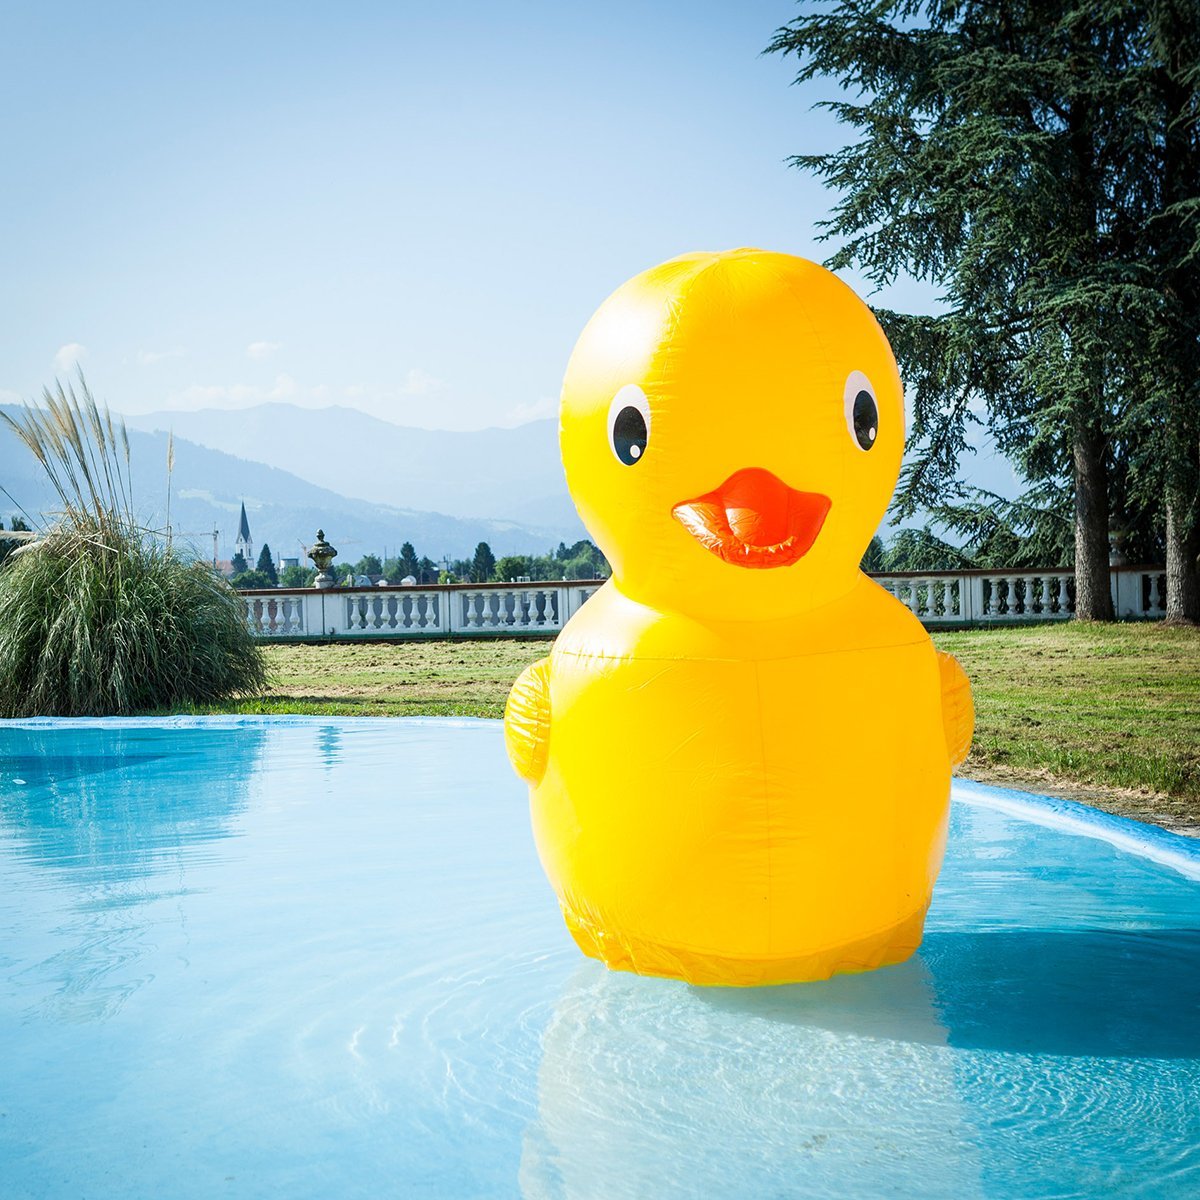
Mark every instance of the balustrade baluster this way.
pixel 1159 592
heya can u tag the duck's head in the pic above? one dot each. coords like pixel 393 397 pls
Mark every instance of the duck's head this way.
pixel 732 427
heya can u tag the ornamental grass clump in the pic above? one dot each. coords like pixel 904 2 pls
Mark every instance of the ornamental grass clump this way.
pixel 100 615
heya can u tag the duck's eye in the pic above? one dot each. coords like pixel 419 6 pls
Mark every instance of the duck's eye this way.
pixel 629 424
pixel 862 413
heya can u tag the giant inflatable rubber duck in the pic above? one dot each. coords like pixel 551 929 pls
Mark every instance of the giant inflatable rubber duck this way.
pixel 739 750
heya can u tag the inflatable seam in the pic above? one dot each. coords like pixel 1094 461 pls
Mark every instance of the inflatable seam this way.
pixel 593 927
pixel 601 656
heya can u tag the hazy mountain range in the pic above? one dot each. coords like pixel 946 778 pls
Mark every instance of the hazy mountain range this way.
pixel 369 484
pixel 504 474
pixel 209 485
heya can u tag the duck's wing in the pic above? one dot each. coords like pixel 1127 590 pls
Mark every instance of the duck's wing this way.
pixel 958 709
pixel 527 721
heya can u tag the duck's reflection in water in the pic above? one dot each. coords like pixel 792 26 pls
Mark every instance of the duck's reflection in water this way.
pixel 653 1088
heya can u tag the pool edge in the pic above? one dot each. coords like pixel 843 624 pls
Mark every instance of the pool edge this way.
pixel 1151 842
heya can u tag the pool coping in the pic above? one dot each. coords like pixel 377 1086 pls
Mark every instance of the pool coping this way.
pixel 1158 845
pixel 1054 812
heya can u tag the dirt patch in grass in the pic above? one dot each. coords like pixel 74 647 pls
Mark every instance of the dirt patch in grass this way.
pixel 1170 812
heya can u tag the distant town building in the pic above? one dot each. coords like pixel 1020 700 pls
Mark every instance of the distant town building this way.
pixel 284 563
pixel 242 542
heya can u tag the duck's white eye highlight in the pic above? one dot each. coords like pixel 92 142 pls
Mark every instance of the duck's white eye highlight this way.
pixel 862 413
pixel 629 424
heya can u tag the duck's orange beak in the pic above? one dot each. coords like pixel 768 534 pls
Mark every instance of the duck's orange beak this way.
pixel 755 520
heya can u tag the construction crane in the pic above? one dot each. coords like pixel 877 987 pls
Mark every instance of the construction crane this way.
pixel 213 533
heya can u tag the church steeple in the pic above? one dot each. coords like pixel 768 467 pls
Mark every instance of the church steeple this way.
pixel 242 543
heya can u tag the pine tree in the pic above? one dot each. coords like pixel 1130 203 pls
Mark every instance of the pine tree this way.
pixel 409 565
pixel 238 565
pixel 996 155
pixel 266 565
pixel 484 564
pixel 1169 102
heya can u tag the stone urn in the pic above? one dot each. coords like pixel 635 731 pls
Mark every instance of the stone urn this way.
pixel 322 554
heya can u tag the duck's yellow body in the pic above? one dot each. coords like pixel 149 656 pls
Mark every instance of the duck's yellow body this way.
pixel 739 750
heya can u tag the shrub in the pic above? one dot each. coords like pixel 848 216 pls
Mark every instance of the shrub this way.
pixel 251 579
pixel 101 616
pixel 297 577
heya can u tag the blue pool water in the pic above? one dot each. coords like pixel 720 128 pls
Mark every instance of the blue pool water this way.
pixel 318 958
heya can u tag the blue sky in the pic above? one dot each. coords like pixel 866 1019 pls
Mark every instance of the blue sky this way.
pixel 407 208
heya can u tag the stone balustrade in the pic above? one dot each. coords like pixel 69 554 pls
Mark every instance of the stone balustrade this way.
pixel 937 598
pixel 996 597
pixel 435 611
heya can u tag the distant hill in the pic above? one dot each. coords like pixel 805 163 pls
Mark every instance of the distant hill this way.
pixel 501 474
pixel 366 482
pixel 511 474
pixel 284 510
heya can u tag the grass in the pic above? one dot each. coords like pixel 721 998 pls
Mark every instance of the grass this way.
pixel 1102 706
pixel 392 679
pixel 1070 707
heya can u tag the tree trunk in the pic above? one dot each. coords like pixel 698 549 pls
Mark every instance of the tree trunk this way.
pixel 1183 570
pixel 1093 589
pixel 1180 183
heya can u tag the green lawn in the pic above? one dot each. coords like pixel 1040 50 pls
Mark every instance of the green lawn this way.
pixel 1111 706
pixel 1108 713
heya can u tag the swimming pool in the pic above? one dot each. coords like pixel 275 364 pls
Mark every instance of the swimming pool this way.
pixel 318 958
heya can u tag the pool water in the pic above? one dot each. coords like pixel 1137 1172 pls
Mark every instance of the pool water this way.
pixel 318 958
